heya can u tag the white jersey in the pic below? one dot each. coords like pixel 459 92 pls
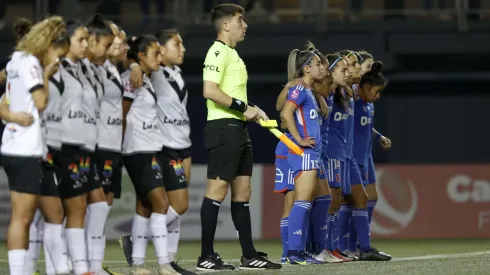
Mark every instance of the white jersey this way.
pixel 173 119
pixel 142 133
pixel 93 91
pixel 24 76
pixel 52 114
pixel 71 102
pixel 109 125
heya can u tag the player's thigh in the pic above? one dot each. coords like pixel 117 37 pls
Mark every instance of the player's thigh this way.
pixel 144 171
pixel 108 167
pixel 172 169
pixel 284 182
pixel 335 172
pixel 24 174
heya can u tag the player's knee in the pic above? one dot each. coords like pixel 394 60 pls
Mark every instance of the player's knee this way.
pixel 181 207
pixel 372 193
pixel 75 207
pixel 360 199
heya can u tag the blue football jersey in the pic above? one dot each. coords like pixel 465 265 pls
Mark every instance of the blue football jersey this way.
pixel 363 118
pixel 325 122
pixel 337 132
pixel 350 129
pixel 306 116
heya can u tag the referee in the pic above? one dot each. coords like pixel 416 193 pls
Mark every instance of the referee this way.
pixel 227 141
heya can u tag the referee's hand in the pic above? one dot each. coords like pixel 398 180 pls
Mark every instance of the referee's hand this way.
pixel 251 113
pixel 261 114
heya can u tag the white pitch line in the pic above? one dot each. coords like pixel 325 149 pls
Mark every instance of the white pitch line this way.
pixel 444 256
pixel 417 258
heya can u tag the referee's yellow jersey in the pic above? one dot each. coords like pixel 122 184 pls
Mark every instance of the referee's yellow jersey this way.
pixel 224 67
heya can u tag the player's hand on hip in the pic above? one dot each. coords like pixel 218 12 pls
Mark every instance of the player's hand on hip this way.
pixel 251 113
pixel 385 142
pixel 23 119
pixel 307 142
pixel 136 77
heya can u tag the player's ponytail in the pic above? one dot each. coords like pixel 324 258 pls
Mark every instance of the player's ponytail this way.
pixel 98 27
pixel 297 61
pixel 374 77
pixel 140 45
pixel 292 72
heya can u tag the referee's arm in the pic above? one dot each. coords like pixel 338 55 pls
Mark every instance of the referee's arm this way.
pixel 213 73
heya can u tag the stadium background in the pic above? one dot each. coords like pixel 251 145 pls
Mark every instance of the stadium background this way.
pixel 433 183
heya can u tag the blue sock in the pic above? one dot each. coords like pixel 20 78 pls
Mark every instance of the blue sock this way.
pixel 319 214
pixel 330 227
pixel 370 209
pixel 360 220
pixel 296 222
pixel 336 232
pixel 352 244
pixel 308 243
pixel 345 214
pixel 284 236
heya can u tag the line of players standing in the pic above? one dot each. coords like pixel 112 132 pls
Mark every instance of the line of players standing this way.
pixel 67 104
pixel 327 109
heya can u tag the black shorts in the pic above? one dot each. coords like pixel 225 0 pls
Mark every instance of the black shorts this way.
pixel 108 165
pixel 24 174
pixel 51 171
pixel 229 149
pixel 145 172
pixel 172 169
pixel 74 171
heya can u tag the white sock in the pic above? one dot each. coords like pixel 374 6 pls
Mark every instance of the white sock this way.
pixel 35 242
pixel 95 231
pixel 171 215
pixel 55 246
pixel 17 261
pixel 75 237
pixel 158 227
pixel 66 255
pixel 139 236
pixel 173 228
pixel 50 270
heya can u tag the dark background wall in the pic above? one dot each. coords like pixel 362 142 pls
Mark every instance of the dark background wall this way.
pixel 434 108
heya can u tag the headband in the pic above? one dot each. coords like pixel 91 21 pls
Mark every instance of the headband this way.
pixel 307 60
pixel 330 68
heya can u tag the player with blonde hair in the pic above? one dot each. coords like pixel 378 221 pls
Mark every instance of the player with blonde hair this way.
pixel 33 63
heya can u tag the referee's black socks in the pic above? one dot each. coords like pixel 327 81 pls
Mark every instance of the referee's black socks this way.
pixel 240 213
pixel 209 221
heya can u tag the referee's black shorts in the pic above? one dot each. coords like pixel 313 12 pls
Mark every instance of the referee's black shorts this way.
pixel 229 149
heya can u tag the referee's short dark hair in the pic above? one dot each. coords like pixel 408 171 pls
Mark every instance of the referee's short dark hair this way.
pixel 223 11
